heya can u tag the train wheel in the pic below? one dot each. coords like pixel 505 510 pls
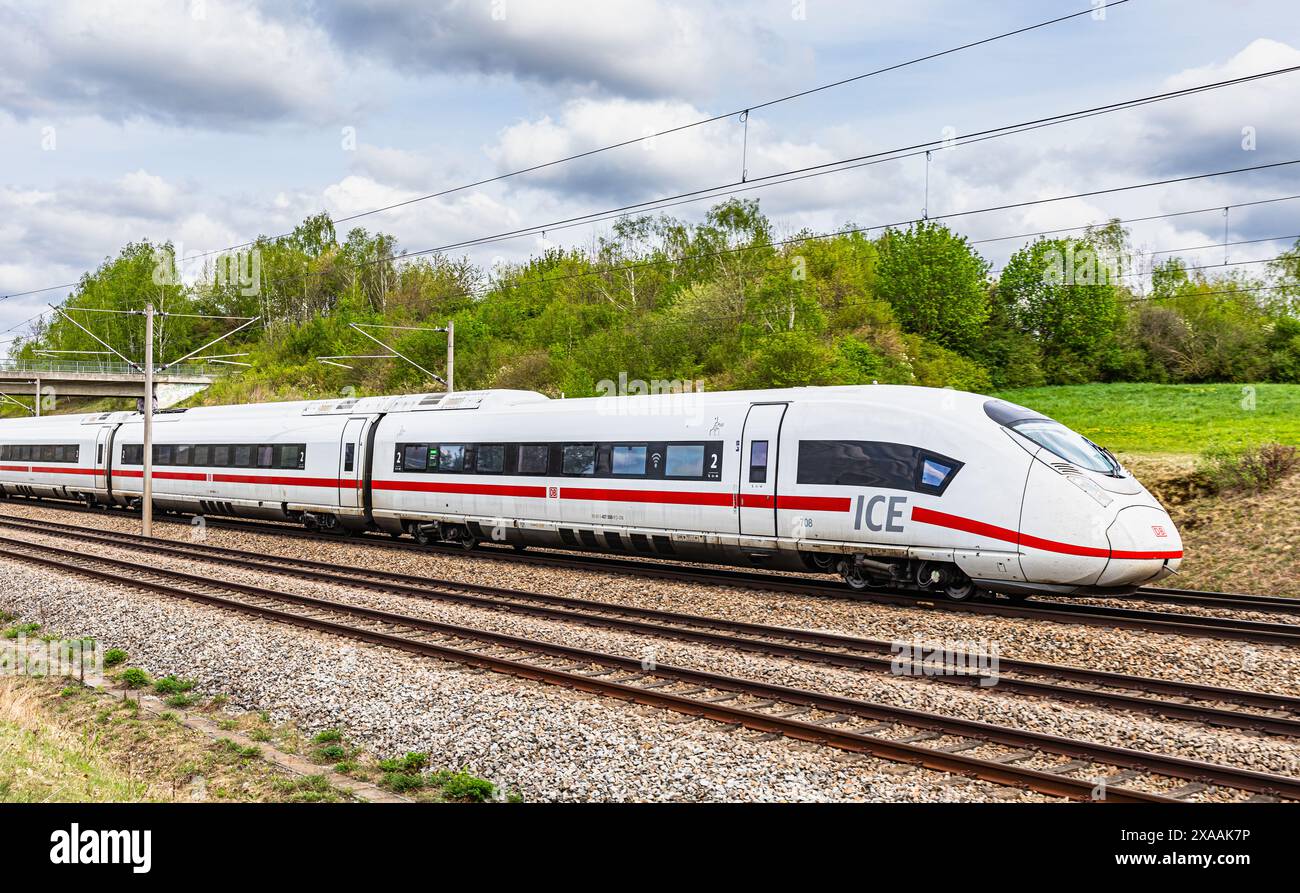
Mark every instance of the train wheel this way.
pixel 855 576
pixel 960 592
pixel 419 535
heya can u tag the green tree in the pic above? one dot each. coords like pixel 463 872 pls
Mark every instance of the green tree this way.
pixel 936 283
pixel 1064 293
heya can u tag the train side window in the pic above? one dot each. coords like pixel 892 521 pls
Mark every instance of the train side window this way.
pixel 183 454
pixel 221 456
pixel 603 460
pixel 685 460
pixel 265 456
pixel 451 457
pixel 534 458
pixel 47 452
pixel 491 458
pixel 243 456
pixel 415 456
pixel 349 456
pixel 288 455
pixel 629 460
pixel 163 454
pixel 758 462
pixel 579 458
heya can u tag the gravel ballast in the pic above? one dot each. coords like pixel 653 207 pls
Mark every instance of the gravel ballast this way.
pixel 542 741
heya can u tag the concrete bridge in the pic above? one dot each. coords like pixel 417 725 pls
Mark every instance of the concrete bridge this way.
pixel 54 380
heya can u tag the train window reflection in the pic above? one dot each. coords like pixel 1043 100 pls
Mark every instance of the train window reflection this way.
pixel 451 457
pixel 758 462
pixel 534 458
pixel 685 461
pixel 416 457
pixel 629 460
pixel 491 458
pixel 933 473
pixel 1069 445
pixel 579 458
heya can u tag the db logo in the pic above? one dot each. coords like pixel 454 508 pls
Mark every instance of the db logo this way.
pixel 1158 530
pixel 555 494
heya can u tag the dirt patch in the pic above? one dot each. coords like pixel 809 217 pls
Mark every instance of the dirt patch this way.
pixel 1247 542
pixel 65 742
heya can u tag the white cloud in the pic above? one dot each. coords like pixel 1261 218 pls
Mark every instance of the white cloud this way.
pixel 162 60
pixel 655 48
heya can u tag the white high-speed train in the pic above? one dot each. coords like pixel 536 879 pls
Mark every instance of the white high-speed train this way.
pixel 929 489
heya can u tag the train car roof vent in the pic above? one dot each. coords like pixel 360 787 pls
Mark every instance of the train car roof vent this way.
pixel 432 400
pixel 331 407
pixel 1065 468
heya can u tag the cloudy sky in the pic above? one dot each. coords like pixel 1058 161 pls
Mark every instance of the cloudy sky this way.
pixel 209 122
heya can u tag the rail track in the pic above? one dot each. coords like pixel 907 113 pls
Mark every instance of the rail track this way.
pixel 927 739
pixel 1074 612
pixel 1212 705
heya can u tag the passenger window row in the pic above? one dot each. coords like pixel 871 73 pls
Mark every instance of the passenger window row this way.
pixel 693 460
pixel 867 463
pixel 225 455
pixel 44 452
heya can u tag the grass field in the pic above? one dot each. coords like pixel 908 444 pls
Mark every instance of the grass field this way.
pixel 1169 418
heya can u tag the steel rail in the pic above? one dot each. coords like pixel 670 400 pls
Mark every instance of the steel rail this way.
pixel 1145 762
pixel 594 613
pixel 1077 613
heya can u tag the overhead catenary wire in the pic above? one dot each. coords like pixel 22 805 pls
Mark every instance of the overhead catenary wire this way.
pixel 845 164
pixel 826 169
pixel 1092 10
pixel 798 174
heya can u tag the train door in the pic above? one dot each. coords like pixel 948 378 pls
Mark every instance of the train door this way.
pixel 756 493
pixel 351 471
pixel 102 458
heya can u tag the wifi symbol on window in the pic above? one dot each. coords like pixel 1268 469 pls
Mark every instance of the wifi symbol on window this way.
pixel 654 460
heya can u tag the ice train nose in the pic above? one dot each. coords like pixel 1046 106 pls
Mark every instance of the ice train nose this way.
pixel 1144 547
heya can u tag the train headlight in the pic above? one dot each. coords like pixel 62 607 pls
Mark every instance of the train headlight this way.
pixel 1092 488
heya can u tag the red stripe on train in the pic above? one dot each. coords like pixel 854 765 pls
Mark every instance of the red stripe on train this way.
pixel 468 489
pixel 1006 535
pixel 664 497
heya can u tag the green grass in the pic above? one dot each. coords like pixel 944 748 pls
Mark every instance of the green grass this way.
pixel 1160 418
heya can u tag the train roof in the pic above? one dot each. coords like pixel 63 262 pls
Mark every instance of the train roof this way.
pixel 502 400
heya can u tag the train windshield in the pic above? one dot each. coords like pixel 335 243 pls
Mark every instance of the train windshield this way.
pixel 1069 445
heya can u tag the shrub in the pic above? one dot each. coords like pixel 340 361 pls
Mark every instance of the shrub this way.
pixel 1252 470
pixel 330 752
pixel 170 685
pixel 938 367
pixel 327 736
pixel 403 781
pixel 134 677
pixel 411 762
pixel 180 700
pixel 463 786
pixel 21 629
pixel 114 656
